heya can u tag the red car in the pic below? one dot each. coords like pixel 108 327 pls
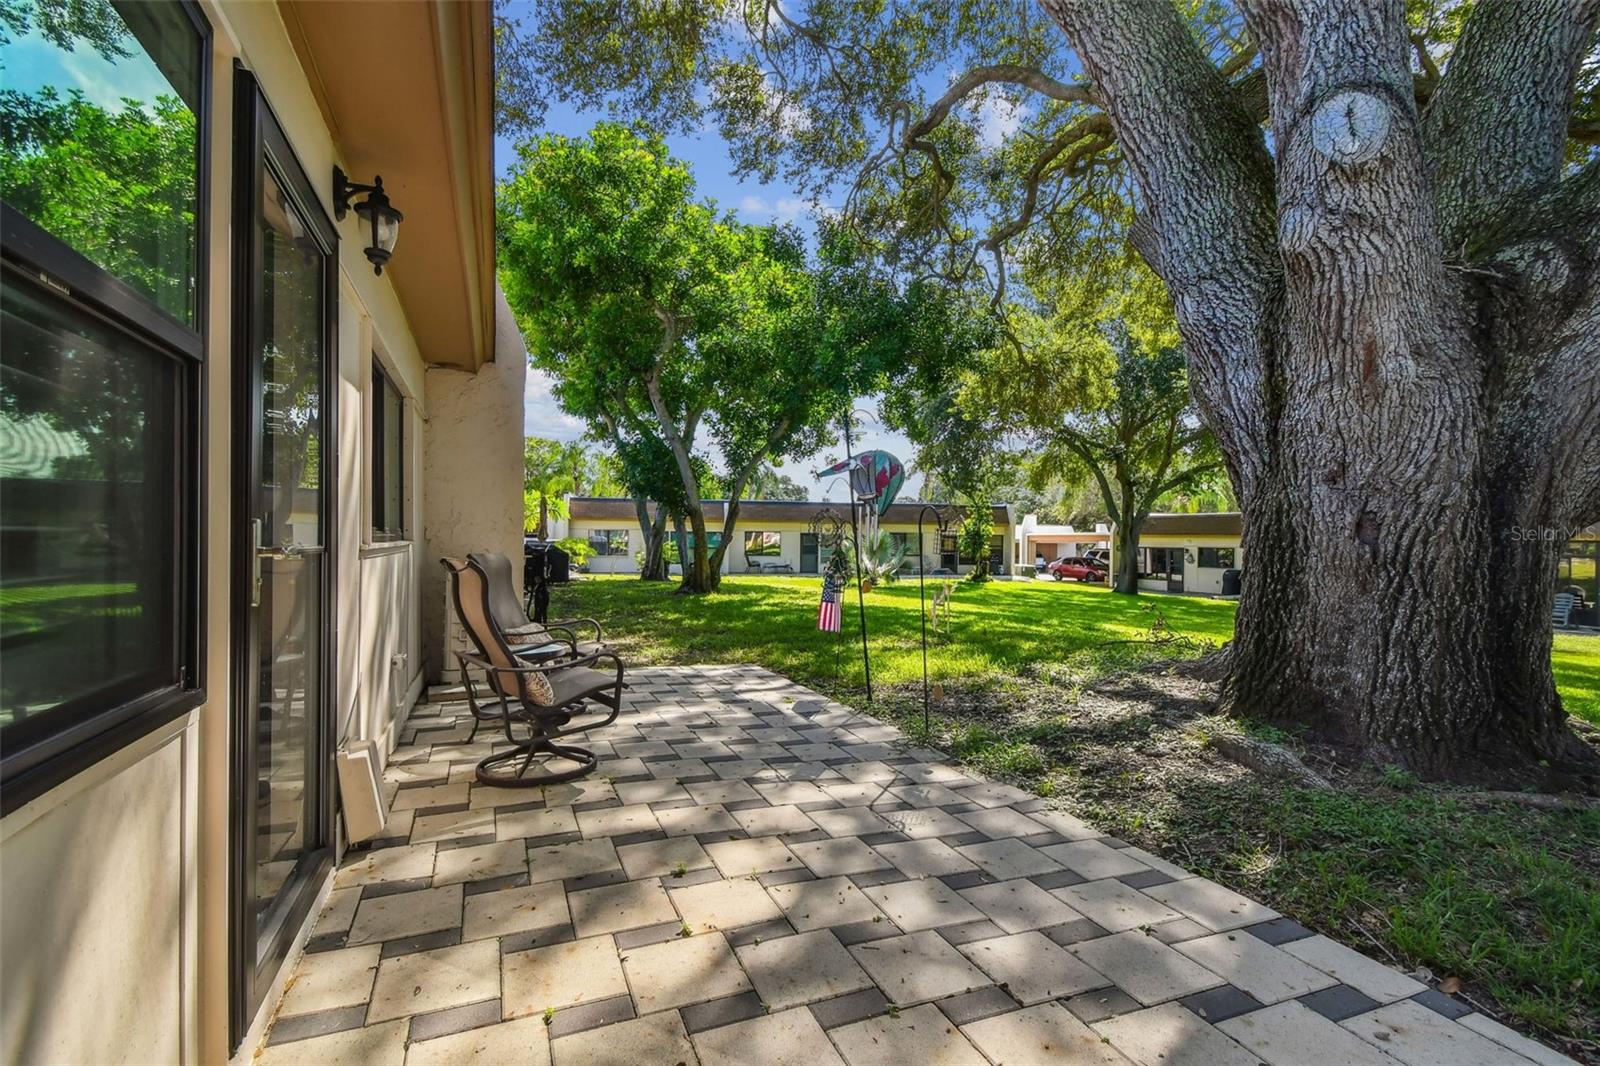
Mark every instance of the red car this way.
pixel 1077 567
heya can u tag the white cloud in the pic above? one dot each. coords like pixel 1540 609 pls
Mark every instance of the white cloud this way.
pixel 999 118
pixel 542 416
pixel 785 209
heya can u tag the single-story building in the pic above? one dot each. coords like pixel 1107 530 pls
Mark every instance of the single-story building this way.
pixel 773 535
pixel 1188 552
pixel 1035 540
pixel 233 452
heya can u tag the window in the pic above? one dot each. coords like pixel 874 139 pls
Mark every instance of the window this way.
pixel 609 541
pixel 100 350
pixel 101 148
pixel 758 544
pixel 1580 567
pixel 388 456
pixel 1218 558
pixel 1153 563
pixel 686 548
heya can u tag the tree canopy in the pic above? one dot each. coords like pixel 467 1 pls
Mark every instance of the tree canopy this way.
pixel 670 326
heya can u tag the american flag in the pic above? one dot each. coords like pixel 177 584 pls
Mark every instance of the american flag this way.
pixel 828 610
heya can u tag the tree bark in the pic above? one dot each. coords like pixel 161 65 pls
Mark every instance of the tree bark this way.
pixel 697 575
pixel 1405 383
pixel 654 533
pixel 1126 579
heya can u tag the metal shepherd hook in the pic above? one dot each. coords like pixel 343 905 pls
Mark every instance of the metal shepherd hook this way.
pixel 922 598
pixel 855 537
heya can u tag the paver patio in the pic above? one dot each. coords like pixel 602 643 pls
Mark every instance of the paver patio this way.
pixel 759 875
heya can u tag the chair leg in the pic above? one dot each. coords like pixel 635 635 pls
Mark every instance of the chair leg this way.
pixel 495 769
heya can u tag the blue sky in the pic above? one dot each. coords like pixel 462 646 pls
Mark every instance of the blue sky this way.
pixel 707 154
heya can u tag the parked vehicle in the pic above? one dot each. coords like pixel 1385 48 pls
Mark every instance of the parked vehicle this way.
pixel 1077 567
pixel 1099 555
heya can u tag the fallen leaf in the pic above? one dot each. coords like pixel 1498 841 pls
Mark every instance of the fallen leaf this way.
pixel 1450 985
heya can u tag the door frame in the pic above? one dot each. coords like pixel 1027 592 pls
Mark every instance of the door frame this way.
pixel 254 958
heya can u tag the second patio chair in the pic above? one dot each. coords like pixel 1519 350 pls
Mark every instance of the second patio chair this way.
pixel 513 621
pixel 544 699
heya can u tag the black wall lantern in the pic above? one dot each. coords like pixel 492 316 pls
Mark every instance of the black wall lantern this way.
pixel 375 212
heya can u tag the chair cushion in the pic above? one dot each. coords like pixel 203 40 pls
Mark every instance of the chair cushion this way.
pixel 527 634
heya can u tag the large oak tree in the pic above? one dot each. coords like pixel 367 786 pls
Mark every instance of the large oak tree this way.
pixel 1379 228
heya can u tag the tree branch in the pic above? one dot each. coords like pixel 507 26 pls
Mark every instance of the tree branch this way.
pixel 1005 73
pixel 1496 129
pixel 1207 184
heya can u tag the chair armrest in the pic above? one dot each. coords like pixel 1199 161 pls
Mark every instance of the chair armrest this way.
pixel 568 623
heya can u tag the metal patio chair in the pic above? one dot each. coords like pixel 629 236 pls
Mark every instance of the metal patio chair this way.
pixel 512 617
pixel 544 698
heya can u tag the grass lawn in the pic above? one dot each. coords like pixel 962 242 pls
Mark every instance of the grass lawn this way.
pixel 995 629
pixel 1504 897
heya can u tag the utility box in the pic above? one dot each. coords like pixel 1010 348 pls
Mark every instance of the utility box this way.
pixel 1230 583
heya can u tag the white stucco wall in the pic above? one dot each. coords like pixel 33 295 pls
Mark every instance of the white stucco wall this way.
pixel 471 476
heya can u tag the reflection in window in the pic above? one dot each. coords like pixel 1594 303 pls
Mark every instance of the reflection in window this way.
pixel 609 541
pixel 1580 560
pixel 292 344
pixel 98 136
pixel 88 451
pixel 758 543
pixel 1217 558
pixel 388 458
pixel 1153 563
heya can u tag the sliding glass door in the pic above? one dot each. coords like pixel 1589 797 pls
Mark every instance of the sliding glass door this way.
pixel 285 289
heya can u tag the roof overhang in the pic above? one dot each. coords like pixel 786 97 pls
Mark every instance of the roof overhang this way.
pixel 407 90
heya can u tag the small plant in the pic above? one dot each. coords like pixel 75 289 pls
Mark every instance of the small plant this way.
pixel 549 1016
pixel 685 931
pixel 1398 778
pixel 894 1010
pixel 680 869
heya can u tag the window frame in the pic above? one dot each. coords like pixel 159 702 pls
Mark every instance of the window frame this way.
pixel 608 533
pixel 94 726
pixel 377 459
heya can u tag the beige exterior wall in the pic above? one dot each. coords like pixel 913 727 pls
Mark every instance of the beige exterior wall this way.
pixel 474 494
pixel 114 886
pixel 1206 580
pixel 98 917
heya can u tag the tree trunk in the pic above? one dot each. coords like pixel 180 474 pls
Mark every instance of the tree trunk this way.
pixel 697 574
pixel 1404 382
pixel 544 518
pixel 654 532
pixel 1126 579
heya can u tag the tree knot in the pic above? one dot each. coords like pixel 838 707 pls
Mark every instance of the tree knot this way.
pixel 1350 127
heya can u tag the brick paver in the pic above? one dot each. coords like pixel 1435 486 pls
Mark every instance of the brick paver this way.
pixel 756 874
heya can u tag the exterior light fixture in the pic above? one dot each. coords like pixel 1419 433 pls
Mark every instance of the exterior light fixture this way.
pixel 375 212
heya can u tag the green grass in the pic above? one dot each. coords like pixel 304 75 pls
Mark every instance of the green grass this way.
pixel 1577 665
pixel 1505 897
pixel 995 629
